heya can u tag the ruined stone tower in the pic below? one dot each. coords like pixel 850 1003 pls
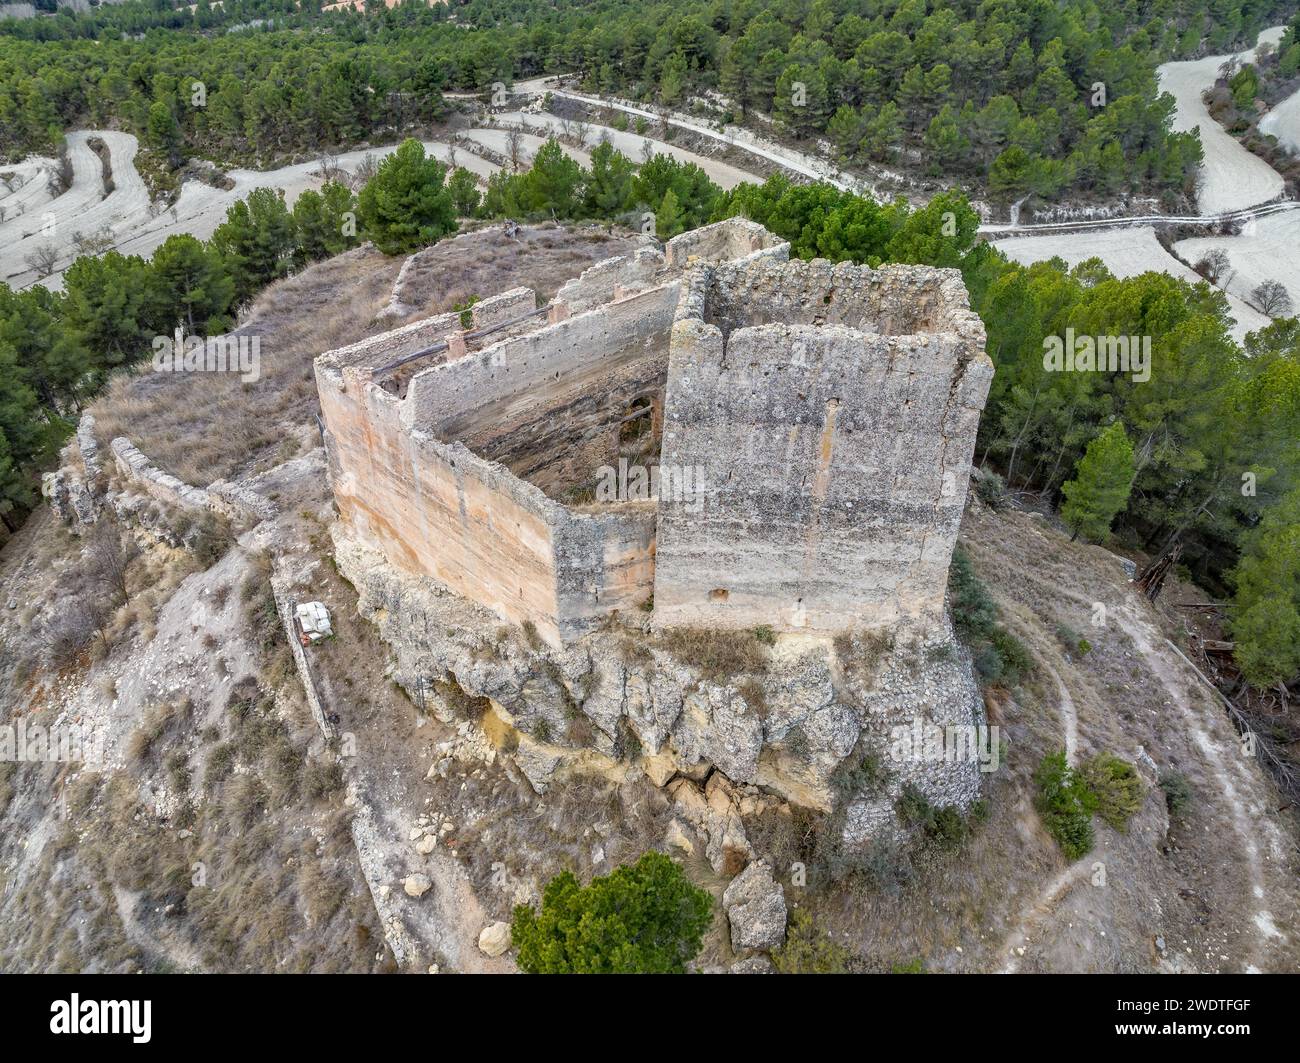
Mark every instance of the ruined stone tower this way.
pixel 832 411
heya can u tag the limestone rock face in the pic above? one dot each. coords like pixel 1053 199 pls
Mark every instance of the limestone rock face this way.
pixel 494 939
pixel 538 764
pixel 716 725
pixel 755 906
pixel 618 703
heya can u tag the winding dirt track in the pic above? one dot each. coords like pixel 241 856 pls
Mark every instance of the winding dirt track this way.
pixel 126 213
pixel 1232 177
pixel 632 145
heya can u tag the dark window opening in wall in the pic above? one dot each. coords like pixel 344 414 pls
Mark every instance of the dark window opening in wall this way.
pixel 719 594
pixel 635 420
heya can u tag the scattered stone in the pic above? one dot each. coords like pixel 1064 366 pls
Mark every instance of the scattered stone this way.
pixel 494 939
pixel 417 885
pixel 426 845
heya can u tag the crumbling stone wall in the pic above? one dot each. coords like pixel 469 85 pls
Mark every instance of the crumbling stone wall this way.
pixel 836 451
pixel 822 418
pixel 736 239
pixel 546 404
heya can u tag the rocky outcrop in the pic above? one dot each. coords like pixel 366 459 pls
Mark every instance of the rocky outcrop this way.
pixel 74 491
pixel 755 907
pixel 618 704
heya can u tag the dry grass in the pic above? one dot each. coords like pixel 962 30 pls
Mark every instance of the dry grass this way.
pixel 717 654
pixel 205 426
pixel 542 257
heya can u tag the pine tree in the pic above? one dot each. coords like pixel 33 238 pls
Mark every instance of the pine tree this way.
pixel 164 133
pixel 190 286
pixel 646 918
pixel 464 192
pixel 1100 488
pixel 553 184
pixel 1266 620
pixel 406 205
pixel 668 218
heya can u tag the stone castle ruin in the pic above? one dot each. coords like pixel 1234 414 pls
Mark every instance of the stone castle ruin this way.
pixel 807 430
pixel 706 436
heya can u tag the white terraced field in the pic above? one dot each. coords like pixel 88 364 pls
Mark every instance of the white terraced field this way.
pixel 1126 253
pixel 1231 177
pixel 26 187
pixel 126 211
pixel 82 208
pixel 1267 249
pixel 1283 122
pixel 632 145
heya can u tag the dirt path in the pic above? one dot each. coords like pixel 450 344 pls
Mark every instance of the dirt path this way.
pixel 1017 941
pixel 1231 176
pixel 1069 718
pixel 1244 791
pixel 632 145
pixel 809 166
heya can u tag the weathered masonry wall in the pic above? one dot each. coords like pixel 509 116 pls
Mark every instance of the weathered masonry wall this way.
pixel 736 239
pixel 438 509
pixel 816 422
pixel 835 453
pixel 547 404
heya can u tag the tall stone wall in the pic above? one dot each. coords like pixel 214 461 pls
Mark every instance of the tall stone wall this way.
pixel 455 398
pixel 834 458
pixel 437 508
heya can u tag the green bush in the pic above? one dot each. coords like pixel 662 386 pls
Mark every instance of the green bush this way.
pixel 1115 787
pixel 1072 640
pixel 1065 805
pixel 991 490
pixel 642 919
pixel 999 657
pixel 974 613
pixel 945 825
pixel 808 951
pixel 1178 792
pixel 1016 660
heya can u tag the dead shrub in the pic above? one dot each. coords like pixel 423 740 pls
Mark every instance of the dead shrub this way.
pixel 717 654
